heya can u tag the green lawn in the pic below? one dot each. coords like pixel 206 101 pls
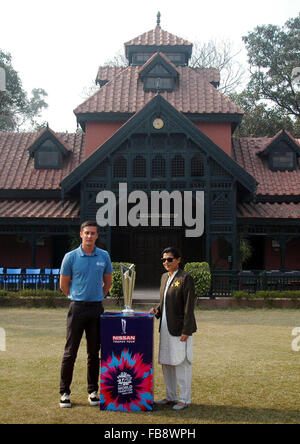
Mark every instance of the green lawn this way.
pixel 244 371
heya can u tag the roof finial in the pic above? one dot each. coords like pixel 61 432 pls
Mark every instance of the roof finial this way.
pixel 158 18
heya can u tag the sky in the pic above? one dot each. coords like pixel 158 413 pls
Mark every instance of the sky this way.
pixel 58 45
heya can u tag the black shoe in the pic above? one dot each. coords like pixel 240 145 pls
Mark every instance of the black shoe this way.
pixel 94 399
pixel 65 402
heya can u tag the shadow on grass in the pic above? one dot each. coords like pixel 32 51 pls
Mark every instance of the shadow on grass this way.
pixel 228 414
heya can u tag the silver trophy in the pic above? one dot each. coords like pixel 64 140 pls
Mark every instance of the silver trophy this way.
pixel 128 283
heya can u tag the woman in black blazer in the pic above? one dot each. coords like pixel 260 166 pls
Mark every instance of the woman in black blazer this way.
pixel 177 325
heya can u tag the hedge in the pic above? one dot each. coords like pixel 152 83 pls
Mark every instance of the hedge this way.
pixel 267 295
pixel 33 298
pixel 201 274
pixel 31 294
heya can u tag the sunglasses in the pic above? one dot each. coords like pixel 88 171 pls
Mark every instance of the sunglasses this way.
pixel 167 259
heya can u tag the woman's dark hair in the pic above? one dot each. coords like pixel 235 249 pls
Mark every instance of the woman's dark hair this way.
pixel 176 253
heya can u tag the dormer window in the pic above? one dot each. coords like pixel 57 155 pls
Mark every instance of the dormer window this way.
pixel 48 156
pixel 48 150
pixel 158 84
pixel 283 160
pixel 281 152
pixel 159 74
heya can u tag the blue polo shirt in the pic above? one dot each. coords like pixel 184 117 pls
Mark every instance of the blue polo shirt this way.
pixel 86 273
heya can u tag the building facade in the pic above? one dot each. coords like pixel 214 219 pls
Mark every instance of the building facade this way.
pixel 156 125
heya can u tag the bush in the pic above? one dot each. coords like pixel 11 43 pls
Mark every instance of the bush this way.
pixel 31 294
pixel 32 298
pixel 116 290
pixel 267 295
pixel 200 272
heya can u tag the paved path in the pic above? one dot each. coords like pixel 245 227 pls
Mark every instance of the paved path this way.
pixel 149 294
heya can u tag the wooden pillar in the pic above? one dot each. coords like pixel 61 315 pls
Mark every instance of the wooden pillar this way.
pixel 32 241
pixel 282 243
pixel 235 246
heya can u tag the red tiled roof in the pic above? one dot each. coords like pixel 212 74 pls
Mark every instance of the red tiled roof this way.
pixel 19 172
pixel 50 209
pixel 269 182
pixel 270 141
pixel 269 210
pixel 107 73
pixel 45 130
pixel 212 75
pixel 157 37
pixel 125 94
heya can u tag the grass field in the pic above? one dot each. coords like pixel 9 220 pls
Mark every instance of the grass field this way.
pixel 244 371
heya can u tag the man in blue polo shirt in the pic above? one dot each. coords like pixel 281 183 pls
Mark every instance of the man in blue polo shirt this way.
pixel 85 277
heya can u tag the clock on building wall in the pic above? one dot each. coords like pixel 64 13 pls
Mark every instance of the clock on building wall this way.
pixel 158 123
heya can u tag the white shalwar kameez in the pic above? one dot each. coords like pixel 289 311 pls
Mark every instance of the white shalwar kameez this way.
pixel 176 358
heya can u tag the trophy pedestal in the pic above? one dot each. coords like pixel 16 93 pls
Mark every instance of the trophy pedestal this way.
pixel 128 311
pixel 126 382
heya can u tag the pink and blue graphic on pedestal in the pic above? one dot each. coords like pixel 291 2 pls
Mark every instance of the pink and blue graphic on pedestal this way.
pixel 126 382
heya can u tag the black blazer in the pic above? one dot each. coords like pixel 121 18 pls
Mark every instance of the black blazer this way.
pixel 180 301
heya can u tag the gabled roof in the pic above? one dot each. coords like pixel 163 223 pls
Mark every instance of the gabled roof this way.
pixel 158 58
pixel 158 103
pixel 19 172
pixel 270 183
pixel 46 134
pixel 281 136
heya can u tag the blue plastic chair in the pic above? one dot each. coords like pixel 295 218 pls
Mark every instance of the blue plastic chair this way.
pixel 55 272
pixel 45 278
pixel 32 277
pixel 12 276
pixel 1 275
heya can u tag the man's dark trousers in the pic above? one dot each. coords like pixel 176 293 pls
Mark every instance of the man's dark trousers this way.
pixel 82 316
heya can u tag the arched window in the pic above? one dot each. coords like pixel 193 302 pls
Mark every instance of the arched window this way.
pixel 158 167
pixel 217 170
pixel 120 167
pixel 178 166
pixel 197 166
pixel 139 167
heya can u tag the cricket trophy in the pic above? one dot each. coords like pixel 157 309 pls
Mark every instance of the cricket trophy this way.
pixel 128 283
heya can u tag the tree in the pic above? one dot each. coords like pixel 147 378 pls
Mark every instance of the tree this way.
pixel 220 55
pixel 261 120
pixel 17 110
pixel 273 53
pixel 119 59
